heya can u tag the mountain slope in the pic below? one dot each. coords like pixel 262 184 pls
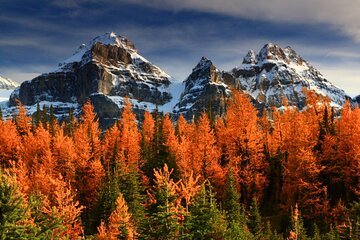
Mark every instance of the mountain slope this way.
pixel 106 70
pixel 205 89
pixel 275 72
pixel 7 83
pixel 6 87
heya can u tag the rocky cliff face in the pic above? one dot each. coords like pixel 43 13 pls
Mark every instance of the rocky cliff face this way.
pixel 275 73
pixel 205 90
pixel 106 70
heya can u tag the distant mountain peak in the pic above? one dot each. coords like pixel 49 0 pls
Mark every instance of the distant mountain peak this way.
pixel 203 63
pixel 7 83
pixel 83 53
pixel 282 72
pixel 250 58
pixel 271 51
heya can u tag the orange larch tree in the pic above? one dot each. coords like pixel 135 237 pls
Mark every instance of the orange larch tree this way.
pixel 10 143
pixel 242 141
pixel 348 152
pixel 64 156
pixel 129 146
pixel 62 204
pixel 207 155
pixel 89 170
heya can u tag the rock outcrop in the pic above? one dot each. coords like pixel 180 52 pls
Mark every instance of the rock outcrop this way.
pixel 205 90
pixel 109 66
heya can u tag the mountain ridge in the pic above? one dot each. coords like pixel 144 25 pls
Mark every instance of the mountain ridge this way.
pixel 109 68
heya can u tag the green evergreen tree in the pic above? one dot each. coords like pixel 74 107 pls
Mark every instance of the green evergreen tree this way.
pixel 105 205
pixel 133 192
pixel 332 234
pixel 44 117
pixel 297 229
pixel 37 117
pixel 235 213
pixel 317 235
pixel 255 221
pixel 269 234
pixel 52 120
pixel 16 218
pixel 206 221
pixel 158 154
pixel 163 212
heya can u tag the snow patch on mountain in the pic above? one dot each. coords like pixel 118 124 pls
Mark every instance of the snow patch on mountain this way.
pixel 7 83
pixel 275 72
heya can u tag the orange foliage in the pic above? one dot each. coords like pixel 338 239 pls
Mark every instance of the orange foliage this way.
pixel 129 146
pixel 241 140
pixel 63 205
pixel 206 162
pixel 9 143
pixel 120 223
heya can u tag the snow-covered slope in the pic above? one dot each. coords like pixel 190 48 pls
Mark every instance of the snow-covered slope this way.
pixel 7 83
pixel 6 87
pixel 275 72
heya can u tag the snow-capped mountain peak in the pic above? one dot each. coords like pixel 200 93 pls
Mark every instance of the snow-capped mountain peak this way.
pixel 250 58
pixel 7 83
pixel 282 72
pixel 85 52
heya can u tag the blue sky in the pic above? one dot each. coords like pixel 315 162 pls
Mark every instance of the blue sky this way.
pixel 36 35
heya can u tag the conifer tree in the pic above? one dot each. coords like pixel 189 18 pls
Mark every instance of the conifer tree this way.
pixel 16 220
pixel 242 139
pixel 255 221
pixel 206 220
pixel 164 209
pixel 37 118
pixel 133 192
pixel 297 230
pixel 10 143
pixel 23 122
pixel 235 213
pixel 129 145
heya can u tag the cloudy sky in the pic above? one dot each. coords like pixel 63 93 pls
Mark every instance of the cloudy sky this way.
pixel 35 35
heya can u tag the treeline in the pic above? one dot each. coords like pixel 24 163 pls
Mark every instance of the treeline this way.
pixel 282 175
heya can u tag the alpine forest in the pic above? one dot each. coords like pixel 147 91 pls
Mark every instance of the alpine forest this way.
pixel 279 174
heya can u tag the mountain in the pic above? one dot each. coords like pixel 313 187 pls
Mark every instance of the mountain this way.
pixel 275 72
pixel 205 89
pixel 267 77
pixel 109 68
pixel 106 70
pixel 7 83
pixel 6 87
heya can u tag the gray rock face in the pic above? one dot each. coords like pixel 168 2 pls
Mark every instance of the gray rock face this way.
pixel 106 70
pixel 205 90
pixel 275 73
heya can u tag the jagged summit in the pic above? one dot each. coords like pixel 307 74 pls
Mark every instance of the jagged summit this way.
pixel 204 89
pixel 7 83
pixel 279 73
pixel 250 58
pixel 106 70
pixel 109 38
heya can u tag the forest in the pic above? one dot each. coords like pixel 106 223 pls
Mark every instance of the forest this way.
pixel 282 174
